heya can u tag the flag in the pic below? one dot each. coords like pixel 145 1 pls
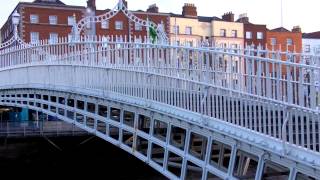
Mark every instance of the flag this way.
pixel 153 34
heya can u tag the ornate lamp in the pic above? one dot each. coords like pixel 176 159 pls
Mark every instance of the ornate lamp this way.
pixel 15 21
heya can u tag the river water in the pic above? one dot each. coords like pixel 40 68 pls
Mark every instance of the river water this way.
pixel 73 158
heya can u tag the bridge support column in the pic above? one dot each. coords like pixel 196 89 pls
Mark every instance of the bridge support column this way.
pixel 233 157
pixel 184 167
pixel 260 167
pixel 121 125
pixel 166 153
pixel 149 152
pixel 207 159
pixel 135 126
pixel 293 174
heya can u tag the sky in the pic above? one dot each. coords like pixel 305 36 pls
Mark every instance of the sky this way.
pixel 295 12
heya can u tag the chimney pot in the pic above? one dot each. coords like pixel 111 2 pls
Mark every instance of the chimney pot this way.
pixel 229 16
pixel 153 8
pixel 189 10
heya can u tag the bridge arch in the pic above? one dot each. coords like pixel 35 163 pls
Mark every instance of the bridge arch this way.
pixel 140 125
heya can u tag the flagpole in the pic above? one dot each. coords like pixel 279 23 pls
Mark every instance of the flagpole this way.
pixel 281 13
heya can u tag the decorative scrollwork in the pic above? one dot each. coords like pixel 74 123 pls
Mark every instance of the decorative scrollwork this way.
pixel 110 14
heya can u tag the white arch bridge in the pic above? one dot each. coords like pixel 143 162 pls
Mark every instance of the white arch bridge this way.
pixel 190 113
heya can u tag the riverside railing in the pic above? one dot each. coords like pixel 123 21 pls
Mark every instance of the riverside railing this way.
pixel 254 89
pixel 18 129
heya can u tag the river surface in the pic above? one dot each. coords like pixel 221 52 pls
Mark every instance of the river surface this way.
pixel 73 158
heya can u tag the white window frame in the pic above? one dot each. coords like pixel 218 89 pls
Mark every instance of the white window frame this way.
pixel 71 20
pixel 119 25
pixel 234 33
pixel 53 20
pixel 260 35
pixel 137 27
pixel 307 48
pixel 248 35
pixel 53 38
pixel 289 42
pixel 34 18
pixel 273 41
pixel 223 33
pixel 105 24
pixel 188 30
pixel 34 37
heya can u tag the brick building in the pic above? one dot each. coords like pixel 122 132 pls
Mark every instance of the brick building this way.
pixel 43 19
pixel 285 40
pixel 190 29
pixel 51 19
pixel 254 34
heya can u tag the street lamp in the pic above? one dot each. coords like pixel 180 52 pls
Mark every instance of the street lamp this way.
pixel 15 21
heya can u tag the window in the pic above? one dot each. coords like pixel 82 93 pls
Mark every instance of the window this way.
pixel 119 25
pixel 189 43
pixel 289 42
pixel 273 41
pixel 71 20
pixel 53 20
pixel 70 36
pixel 34 37
pixel 34 18
pixel 248 35
pixel 222 32
pixel 137 27
pixel 259 35
pixel 307 48
pixel 234 33
pixel 188 30
pixel 105 24
pixel 176 29
pixel 53 38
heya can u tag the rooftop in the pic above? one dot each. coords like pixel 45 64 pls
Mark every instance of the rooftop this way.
pixel 280 29
pixel 313 35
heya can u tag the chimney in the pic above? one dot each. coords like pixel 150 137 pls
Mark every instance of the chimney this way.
pixel 153 8
pixel 243 18
pixel 91 4
pixel 296 29
pixel 189 10
pixel 228 17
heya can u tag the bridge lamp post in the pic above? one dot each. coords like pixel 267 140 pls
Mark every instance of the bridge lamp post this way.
pixel 15 21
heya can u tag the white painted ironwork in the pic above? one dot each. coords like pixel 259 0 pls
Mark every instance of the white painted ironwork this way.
pixel 120 7
pixel 265 98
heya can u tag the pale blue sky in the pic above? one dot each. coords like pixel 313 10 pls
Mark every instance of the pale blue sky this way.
pixel 296 12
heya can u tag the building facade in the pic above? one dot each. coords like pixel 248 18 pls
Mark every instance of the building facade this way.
pixel 281 39
pixel 311 43
pixel 44 19
pixel 190 29
pixel 255 35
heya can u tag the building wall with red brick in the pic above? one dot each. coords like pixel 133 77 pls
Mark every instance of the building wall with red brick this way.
pixel 281 45
pixel 44 27
pixel 254 40
pixel 129 29
pixel 281 41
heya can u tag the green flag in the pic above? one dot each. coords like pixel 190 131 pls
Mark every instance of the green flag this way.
pixel 153 34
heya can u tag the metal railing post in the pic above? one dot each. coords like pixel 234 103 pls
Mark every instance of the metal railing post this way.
pixel 287 114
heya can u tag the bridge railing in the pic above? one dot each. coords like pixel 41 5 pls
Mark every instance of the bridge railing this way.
pixel 291 78
pixel 254 89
